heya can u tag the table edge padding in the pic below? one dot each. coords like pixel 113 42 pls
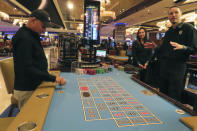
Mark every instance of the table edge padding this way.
pixel 177 103
pixel 35 110
pixel 191 122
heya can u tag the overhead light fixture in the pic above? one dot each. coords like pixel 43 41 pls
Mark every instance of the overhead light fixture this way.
pixel 80 28
pixel 105 2
pixel 184 1
pixel 190 17
pixel 70 5
pixel 4 15
pixel 19 22
pixel 116 24
pixel 164 25
pixel 132 30
pixel 42 4
pixel 103 12
pixel 176 1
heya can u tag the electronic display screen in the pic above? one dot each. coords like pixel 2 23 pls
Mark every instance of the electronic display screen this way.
pixel 91 22
pixel 91 31
pixel 101 53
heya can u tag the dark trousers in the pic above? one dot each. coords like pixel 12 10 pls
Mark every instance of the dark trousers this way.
pixel 129 60
pixel 152 74
pixel 172 79
pixel 143 75
pixel 172 86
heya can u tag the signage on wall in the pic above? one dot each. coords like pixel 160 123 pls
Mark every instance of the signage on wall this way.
pixel 119 33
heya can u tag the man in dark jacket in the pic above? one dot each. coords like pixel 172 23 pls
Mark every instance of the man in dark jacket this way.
pixel 179 42
pixel 30 63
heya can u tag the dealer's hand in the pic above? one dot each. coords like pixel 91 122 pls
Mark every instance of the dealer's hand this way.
pixel 145 66
pixel 141 66
pixel 60 81
pixel 151 45
pixel 176 45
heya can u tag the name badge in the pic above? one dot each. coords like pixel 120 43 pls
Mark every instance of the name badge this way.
pixel 180 32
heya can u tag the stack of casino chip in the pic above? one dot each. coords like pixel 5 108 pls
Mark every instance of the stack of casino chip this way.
pixel 109 69
pixel 106 69
pixel 97 70
pixel 120 68
pixel 91 71
pixel 100 70
pixel 79 71
pixel 116 65
pixel 84 71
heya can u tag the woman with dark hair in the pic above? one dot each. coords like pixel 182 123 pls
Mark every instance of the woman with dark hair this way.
pixel 141 54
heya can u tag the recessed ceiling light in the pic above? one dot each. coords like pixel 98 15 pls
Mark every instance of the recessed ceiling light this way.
pixel 70 5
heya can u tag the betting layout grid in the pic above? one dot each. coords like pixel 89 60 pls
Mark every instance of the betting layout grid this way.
pixel 108 100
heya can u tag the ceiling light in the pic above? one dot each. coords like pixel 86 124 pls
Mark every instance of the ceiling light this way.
pixel 42 4
pixel 70 5
pixel 4 15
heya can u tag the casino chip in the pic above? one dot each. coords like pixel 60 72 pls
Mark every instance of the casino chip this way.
pixel 60 92
pixel 86 94
pixel 147 92
pixel 179 111
pixel 84 88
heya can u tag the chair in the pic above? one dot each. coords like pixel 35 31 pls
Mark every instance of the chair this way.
pixel 122 53
pixel 7 68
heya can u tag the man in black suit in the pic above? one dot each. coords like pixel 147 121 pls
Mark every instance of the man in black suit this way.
pixel 179 43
